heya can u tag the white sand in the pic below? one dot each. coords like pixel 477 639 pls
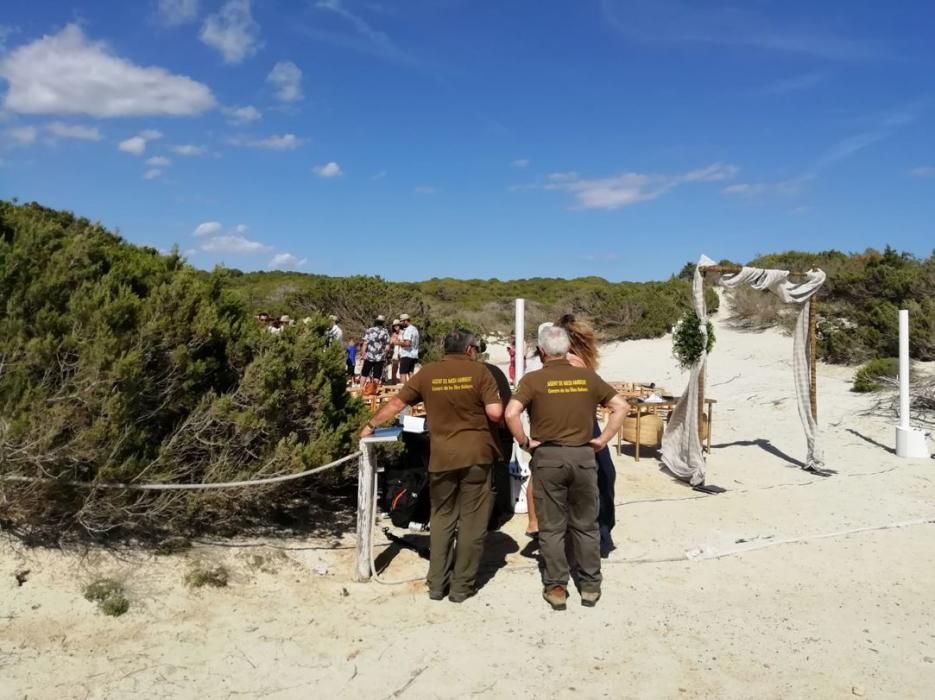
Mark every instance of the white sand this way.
pixel 832 615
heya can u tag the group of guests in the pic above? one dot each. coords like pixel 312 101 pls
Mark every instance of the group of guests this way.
pixel 572 484
pixel 275 324
pixel 384 355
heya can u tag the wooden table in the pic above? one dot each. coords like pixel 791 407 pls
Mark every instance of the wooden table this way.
pixel 668 403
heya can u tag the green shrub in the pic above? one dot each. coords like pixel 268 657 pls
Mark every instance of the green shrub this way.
pixel 858 304
pixel 214 576
pixel 619 311
pixel 109 595
pixel 688 342
pixel 867 377
pixel 121 364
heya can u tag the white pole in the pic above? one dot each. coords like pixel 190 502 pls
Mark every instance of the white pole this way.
pixel 904 369
pixel 520 346
pixel 365 496
pixel 910 442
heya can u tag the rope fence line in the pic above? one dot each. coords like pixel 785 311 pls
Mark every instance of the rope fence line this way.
pixel 185 487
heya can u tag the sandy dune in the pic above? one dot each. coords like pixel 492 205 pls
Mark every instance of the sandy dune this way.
pixel 788 585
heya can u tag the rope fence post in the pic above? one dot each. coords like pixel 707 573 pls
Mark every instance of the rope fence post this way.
pixel 365 496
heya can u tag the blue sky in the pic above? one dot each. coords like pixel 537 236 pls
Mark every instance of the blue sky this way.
pixel 430 138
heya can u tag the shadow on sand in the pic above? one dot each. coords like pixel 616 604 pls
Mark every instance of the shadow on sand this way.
pixel 871 441
pixel 497 547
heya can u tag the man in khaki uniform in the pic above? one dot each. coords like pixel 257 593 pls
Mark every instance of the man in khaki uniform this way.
pixel 562 400
pixel 461 398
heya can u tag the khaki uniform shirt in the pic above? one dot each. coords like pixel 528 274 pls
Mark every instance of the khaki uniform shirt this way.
pixel 455 391
pixel 562 400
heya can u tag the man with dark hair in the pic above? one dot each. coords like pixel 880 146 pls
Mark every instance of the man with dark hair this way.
pixel 376 341
pixel 461 400
pixel 562 400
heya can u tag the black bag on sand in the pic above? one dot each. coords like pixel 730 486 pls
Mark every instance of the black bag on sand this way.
pixel 406 496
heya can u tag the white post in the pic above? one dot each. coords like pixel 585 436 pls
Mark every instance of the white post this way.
pixel 365 496
pixel 904 369
pixel 520 346
pixel 910 442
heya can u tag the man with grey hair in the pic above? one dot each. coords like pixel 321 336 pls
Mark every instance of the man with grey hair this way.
pixel 562 400
pixel 461 400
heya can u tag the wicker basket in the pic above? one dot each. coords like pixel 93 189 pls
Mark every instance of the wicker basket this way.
pixel 651 427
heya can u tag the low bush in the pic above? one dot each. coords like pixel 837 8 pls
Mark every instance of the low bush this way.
pixel 213 576
pixel 110 596
pixel 121 364
pixel 867 377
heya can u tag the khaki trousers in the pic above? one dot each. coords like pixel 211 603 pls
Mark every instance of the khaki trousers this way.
pixel 461 501
pixel 567 505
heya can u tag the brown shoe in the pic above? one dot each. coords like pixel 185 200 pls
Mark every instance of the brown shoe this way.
pixel 556 596
pixel 589 598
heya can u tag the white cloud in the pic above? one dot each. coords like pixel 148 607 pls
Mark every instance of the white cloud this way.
pixel 232 31
pixel 327 170
pixel 152 174
pixel 379 176
pixel 784 188
pixel 627 189
pixel 242 115
pixel 737 24
pixel 368 39
pixel 927 171
pixel 795 84
pixel 520 163
pixel 287 78
pixel 189 149
pixel 135 146
pixel 207 228
pixel 233 244
pixel 286 261
pixel 424 189
pixel 241 228
pixel 64 73
pixel 24 135
pixel 286 142
pixel 158 162
pixel 176 12
pixel 73 131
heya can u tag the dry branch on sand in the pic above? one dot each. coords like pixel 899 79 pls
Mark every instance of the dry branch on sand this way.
pixel 921 401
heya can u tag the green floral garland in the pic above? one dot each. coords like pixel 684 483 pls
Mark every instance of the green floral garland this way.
pixel 688 341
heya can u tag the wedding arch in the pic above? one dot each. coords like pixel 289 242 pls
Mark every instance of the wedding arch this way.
pixel 682 450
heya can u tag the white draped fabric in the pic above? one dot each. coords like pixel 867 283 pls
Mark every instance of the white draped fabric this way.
pixel 681 446
pixel 682 452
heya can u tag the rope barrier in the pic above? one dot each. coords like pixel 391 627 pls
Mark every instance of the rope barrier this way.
pixel 186 487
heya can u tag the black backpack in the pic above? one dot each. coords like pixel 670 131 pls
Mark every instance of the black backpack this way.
pixel 406 496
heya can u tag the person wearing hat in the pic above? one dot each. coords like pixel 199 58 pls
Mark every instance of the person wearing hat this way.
pixel 335 333
pixel 408 348
pixel 394 351
pixel 561 400
pixel 461 401
pixel 376 343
